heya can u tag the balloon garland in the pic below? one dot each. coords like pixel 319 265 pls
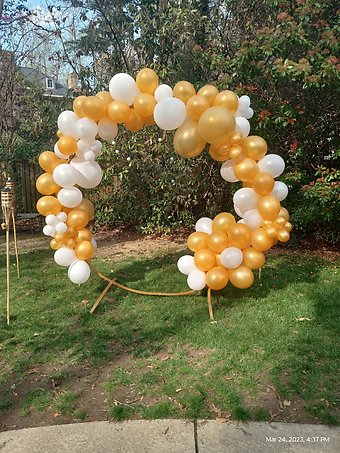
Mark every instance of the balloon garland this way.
pixel 224 249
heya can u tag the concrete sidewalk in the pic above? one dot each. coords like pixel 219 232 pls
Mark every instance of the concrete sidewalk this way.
pixel 175 436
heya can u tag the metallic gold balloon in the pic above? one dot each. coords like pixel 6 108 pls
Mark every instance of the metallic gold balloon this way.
pixel 184 90
pixel 134 122
pixel 67 145
pixel 48 161
pixel 196 105
pixel 105 96
pixel 288 227
pixel 242 277
pixel 272 232
pixel 220 153
pixel 218 241
pixel 279 222
pixel 198 241
pixel 60 237
pixel 267 223
pixel 218 260
pixel 263 183
pixel 48 205
pixel 284 213
pixel 86 205
pixel 78 106
pixel 55 245
pixel 246 169
pixel 235 152
pixel 247 184
pixel 150 120
pixel 94 108
pixel 239 235
pixel 71 232
pixel 118 111
pixel 235 138
pixel 84 235
pixel 46 185
pixel 223 221
pixel 209 92
pixel 217 278
pixel 216 124
pixel 260 240
pixel 268 207
pixel 252 258
pixel 204 259
pixel 187 140
pixel 228 99
pixel 254 147
pixel 77 219
pixel 283 235
pixel 84 250
pixel 144 104
pixel 71 243
pixel 59 133
pixel 147 80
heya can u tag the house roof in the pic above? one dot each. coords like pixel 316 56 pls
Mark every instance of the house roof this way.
pixel 33 75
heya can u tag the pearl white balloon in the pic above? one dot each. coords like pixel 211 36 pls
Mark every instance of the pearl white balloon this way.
pixel 67 123
pixel 65 175
pixel 123 87
pixel 61 227
pixel 253 219
pixel 243 103
pixel 245 198
pixel 96 147
pixel 89 155
pixel 84 145
pixel 89 173
pixel 196 280
pixel 51 220
pixel 79 272
pixel 242 126
pixel 186 264
pixel 107 129
pixel 249 113
pixel 280 190
pixel 231 257
pixel 62 216
pixel 204 225
pixel 64 256
pixel 58 153
pixel 170 113
pixel 227 171
pixel 239 211
pixel 86 129
pixel 273 164
pixel 163 91
pixel 70 197
pixel 48 230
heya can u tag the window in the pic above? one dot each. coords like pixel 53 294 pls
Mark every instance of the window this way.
pixel 50 83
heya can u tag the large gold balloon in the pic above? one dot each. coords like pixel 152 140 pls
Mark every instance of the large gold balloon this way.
pixel 235 152
pixel 48 161
pixel 227 99
pixel 105 96
pixel 77 219
pixel 284 213
pixel 198 241
pixel 118 111
pixel 83 235
pixel 223 221
pixel 187 140
pixel 218 241
pixel 246 169
pixel 46 185
pixel 78 106
pixel 184 91
pixel 134 122
pixel 147 80
pixel 196 105
pixel 283 235
pixel 242 277
pixel 268 207
pixel 260 240
pixel 209 92
pixel 86 205
pixel 84 250
pixel 219 153
pixel 252 258
pixel 254 147
pixel 216 124
pixel 217 278
pixel 144 104
pixel 204 259
pixel 94 108
pixel 263 183
pixel 48 205
pixel 67 145
pixel 239 235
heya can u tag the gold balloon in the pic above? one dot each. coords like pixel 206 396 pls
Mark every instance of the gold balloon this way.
pixel 246 169
pixel 217 278
pixel 118 111
pixel 86 205
pixel 227 99
pixel 71 232
pixel 219 153
pixel 77 219
pixel 147 80
pixel 78 106
pixel 59 133
pixel 134 122
pixel 279 222
pixel 67 145
pixel 252 258
pixel 223 221
pixel 204 259
pixel 263 183
pixel 150 120
pixel 184 91
pixel 284 213
pixel 268 207
pixel 84 235
pixel 48 205
pixel 272 232
pixel 144 104
pixel 105 96
pixel 283 235
pixel 187 140
pixel 239 235
pixel 60 237
pixel 267 223
pixel 46 185
pixel 242 277
pixel 218 241
pixel 247 184
pixel 218 260
pixel 198 241
pixel 235 152
pixel 260 240
pixel 254 147
pixel 48 161
pixel 235 138
pixel 288 227
pixel 84 250
pixel 210 92
pixel 216 124
pixel 71 243
pixel 55 245
pixel 94 108
pixel 196 105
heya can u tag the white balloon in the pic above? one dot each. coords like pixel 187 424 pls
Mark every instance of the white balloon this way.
pixel 86 129
pixel 123 87
pixel 227 171
pixel 65 175
pixel 107 129
pixel 89 173
pixel 280 190
pixel 79 272
pixel 67 123
pixel 51 220
pixel 243 103
pixel 186 264
pixel 48 230
pixel 242 125
pixel 240 221
pixel 163 91
pixel 245 198
pixel 84 145
pixel 249 113
pixel 253 219
pixel 170 113
pixel 204 225
pixel 64 256
pixel 96 147
pixel 70 197
pixel 231 257
pixel 239 211
pixel 273 164
pixel 62 216
pixel 89 155
pixel 58 153
pixel 196 280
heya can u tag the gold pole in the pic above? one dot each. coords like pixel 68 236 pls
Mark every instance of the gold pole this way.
pixel 211 313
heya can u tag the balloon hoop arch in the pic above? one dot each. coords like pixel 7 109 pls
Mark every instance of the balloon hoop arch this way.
pixel 225 249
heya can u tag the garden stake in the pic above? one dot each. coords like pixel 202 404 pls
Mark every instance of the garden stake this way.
pixel 6 201
pixel 211 313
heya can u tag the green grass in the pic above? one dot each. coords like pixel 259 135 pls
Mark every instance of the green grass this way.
pixel 281 332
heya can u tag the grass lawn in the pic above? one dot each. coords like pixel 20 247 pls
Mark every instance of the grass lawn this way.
pixel 271 355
